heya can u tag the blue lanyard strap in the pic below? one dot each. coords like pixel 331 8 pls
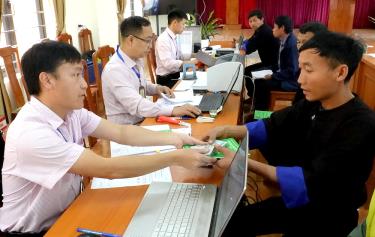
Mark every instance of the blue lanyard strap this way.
pixel 133 68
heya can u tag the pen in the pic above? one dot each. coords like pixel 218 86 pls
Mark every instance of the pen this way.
pixel 98 233
pixel 164 119
pixel 185 117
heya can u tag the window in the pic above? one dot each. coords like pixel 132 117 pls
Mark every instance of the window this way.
pixel 133 8
pixel 23 23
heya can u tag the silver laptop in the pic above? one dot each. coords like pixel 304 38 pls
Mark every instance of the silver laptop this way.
pixel 205 58
pixel 182 209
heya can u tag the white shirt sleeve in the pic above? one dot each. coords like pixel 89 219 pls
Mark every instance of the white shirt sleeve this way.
pixel 89 121
pixel 45 157
pixel 166 60
pixel 127 94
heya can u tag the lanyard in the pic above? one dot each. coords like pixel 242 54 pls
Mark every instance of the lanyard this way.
pixel 133 68
pixel 64 136
pixel 142 90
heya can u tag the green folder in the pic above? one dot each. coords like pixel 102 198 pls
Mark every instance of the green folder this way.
pixel 229 143
pixel 260 114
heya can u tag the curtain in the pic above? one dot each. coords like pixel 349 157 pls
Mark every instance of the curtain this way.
pixel 363 9
pixel 245 7
pixel 300 11
pixel 120 10
pixel 1 13
pixel 59 6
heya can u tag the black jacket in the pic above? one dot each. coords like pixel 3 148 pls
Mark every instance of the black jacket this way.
pixel 266 44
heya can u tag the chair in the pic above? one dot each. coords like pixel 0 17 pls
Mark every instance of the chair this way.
pixel 151 61
pixel 103 55
pixel 285 97
pixel 85 41
pixel 65 37
pixel 17 94
pixel 89 102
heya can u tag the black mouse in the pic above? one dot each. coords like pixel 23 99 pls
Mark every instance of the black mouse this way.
pixel 87 235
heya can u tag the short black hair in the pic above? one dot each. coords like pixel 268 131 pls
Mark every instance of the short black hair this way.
pixel 46 56
pixel 313 27
pixel 338 49
pixel 133 25
pixel 257 13
pixel 286 22
pixel 176 14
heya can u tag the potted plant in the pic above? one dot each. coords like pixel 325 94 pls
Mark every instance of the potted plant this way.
pixel 208 28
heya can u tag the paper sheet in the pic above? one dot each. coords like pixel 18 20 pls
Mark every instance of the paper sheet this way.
pixel 371 55
pixel 121 150
pixel 180 97
pixel 184 85
pixel 163 175
pixel 261 73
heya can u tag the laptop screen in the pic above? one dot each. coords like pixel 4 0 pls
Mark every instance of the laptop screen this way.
pixel 231 84
pixel 231 190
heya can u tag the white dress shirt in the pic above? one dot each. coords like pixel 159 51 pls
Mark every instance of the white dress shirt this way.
pixel 40 149
pixel 168 54
pixel 123 103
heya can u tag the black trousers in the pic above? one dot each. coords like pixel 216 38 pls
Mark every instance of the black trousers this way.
pixel 272 217
pixel 168 80
pixel 261 94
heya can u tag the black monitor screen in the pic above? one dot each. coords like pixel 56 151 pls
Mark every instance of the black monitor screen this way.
pixel 165 6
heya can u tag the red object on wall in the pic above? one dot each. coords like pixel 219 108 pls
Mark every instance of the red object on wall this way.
pixel 245 7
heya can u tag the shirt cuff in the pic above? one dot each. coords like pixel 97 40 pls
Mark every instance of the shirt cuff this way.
pixel 292 185
pixel 244 45
pixel 166 110
pixel 257 134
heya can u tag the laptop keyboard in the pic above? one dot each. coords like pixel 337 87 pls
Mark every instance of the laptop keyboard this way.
pixel 211 101
pixel 178 212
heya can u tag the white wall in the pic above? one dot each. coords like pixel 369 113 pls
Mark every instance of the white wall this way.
pixel 107 22
pixel 82 12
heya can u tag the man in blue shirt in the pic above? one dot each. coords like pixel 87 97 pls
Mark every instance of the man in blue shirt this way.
pixel 319 150
pixel 284 78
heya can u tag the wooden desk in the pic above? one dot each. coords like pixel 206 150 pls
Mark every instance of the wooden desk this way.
pixel 110 210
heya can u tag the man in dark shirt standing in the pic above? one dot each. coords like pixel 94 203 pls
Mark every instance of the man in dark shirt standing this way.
pixel 263 41
pixel 319 151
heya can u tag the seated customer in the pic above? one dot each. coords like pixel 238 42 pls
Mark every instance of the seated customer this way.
pixel 45 158
pixel 319 151
pixel 306 32
pixel 168 52
pixel 285 77
pixel 124 83
pixel 263 41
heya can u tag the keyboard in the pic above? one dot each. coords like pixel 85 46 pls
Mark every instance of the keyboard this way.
pixel 211 101
pixel 177 215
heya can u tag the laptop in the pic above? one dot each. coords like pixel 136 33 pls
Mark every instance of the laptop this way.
pixel 163 211
pixel 213 101
pixel 205 58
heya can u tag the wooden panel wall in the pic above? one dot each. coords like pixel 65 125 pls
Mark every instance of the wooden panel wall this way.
pixel 341 15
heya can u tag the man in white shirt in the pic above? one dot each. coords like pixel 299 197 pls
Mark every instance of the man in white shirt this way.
pixel 44 154
pixel 124 84
pixel 168 52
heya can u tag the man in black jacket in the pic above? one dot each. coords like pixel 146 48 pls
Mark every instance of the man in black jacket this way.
pixel 263 41
pixel 319 151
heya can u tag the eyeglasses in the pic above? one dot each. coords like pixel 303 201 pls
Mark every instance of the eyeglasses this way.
pixel 147 41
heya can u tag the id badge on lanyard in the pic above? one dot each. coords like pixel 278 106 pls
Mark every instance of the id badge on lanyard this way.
pixel 142 91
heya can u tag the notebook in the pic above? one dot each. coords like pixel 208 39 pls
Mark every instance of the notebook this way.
pixel 213 101
pixel 206 215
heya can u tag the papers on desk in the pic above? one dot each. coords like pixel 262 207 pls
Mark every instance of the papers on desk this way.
pixel 123 150
pixel 181 98
pixel 163 175
pixel 371 55
pixel 184 85
pixel 261 73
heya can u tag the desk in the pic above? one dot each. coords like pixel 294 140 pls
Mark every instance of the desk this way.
pixel 110 210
